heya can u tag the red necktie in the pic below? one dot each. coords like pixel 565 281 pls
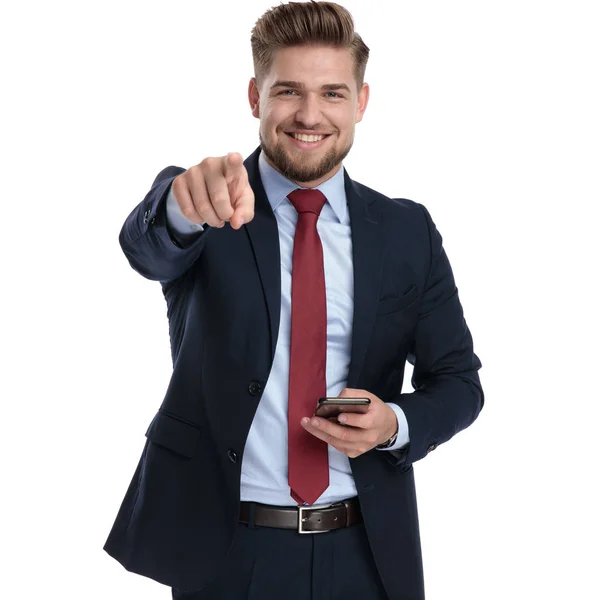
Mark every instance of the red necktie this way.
pixel 308 464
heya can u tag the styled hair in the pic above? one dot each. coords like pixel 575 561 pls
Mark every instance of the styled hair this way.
pixel 306 23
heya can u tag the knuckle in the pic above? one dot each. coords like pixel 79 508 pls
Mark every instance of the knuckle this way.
pixel 220 199
pixel 208 161
pixel 194 177
pixel 203 207
pixel 192 174
pixel 210 167
pixel 188 211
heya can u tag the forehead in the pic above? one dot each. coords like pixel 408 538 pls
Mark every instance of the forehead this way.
pixel 312 65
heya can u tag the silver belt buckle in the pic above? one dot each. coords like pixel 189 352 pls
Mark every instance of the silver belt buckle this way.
pixel 301 519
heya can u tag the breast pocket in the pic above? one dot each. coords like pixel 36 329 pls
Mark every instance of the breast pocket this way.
pixel 395 304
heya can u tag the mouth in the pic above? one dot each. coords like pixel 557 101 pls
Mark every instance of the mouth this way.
pixel 308 142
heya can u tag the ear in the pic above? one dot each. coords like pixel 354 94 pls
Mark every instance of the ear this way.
pixel 254 97
pixel 363 100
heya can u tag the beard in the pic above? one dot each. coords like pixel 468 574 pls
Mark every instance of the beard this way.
pixel 298 170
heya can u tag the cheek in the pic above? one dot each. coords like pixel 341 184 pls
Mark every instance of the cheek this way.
pixel 280 117
pixel 348 130
pixel 268 126
pixel 273 124
pixel 343 122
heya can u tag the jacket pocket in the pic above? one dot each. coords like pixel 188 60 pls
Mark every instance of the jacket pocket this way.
pixel 397 303
pixel 174 434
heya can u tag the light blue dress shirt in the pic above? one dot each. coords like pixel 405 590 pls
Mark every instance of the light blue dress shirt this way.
pixel 264 475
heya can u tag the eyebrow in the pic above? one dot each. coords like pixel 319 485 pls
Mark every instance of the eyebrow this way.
pixel 329 87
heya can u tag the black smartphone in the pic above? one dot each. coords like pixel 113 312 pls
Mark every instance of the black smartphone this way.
pixel 332 407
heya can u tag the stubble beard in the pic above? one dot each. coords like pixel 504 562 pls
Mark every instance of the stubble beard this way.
pixel 303 173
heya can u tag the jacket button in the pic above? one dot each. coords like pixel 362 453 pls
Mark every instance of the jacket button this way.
pixel 432 447
pixel 153 220
pixel 232 456
pixel 255 388
pixel 146 215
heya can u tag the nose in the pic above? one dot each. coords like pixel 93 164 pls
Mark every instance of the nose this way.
pixel 309 111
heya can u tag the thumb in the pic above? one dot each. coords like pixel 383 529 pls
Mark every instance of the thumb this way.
pixel 347 393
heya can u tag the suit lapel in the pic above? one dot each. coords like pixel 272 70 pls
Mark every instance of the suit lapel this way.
pixel 264 237
pixel 367 255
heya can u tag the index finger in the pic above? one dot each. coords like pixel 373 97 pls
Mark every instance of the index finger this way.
pixel 242 196
pixel 243 204
pixel 233 166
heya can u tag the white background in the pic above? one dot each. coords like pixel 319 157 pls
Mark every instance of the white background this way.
pixel 485 112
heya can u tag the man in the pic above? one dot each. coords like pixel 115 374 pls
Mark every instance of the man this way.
pixel 287 281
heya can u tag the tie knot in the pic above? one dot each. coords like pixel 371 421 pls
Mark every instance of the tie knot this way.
pixel 307 201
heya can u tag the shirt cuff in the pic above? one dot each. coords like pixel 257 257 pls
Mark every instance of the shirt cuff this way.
pixel 179 224
pixel 403 437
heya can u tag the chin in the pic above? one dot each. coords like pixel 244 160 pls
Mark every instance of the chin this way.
pixel 300 166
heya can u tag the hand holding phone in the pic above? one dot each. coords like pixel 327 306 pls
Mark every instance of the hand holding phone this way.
pixel 328 408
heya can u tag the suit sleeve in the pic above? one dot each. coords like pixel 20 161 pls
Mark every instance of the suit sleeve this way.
pixel 448 395
pixel 150 245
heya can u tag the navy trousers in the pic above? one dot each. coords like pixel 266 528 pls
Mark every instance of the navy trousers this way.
pixel 267 563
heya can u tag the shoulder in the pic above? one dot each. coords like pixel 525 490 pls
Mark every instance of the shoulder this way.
pixel 401 208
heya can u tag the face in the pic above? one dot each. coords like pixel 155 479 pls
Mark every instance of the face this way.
pixel 308 91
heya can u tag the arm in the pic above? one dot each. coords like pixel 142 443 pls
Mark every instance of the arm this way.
pixel 151 247
pixel 448 395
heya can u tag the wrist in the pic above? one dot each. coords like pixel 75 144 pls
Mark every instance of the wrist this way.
pixel 389 442
pixel 392 439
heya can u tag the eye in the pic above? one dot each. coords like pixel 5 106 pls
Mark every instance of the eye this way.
pixel 284 91
pixel 336 94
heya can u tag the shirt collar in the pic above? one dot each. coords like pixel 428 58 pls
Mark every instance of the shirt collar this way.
pixel 277 187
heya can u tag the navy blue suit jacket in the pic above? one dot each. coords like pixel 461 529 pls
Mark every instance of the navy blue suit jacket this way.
pixel 180 512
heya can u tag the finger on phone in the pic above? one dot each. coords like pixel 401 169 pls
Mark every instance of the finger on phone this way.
pixel 351 419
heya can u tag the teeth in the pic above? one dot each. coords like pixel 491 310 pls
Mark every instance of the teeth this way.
pixel 307 138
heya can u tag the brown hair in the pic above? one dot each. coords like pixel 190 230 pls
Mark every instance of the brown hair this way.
pixel 306 23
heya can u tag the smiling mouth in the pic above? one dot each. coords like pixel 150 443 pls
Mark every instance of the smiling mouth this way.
pixel 307 139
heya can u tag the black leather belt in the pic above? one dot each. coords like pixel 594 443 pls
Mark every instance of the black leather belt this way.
pixel 305 519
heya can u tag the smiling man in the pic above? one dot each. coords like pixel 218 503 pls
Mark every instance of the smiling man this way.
pixel 307 122
pixel 286 281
